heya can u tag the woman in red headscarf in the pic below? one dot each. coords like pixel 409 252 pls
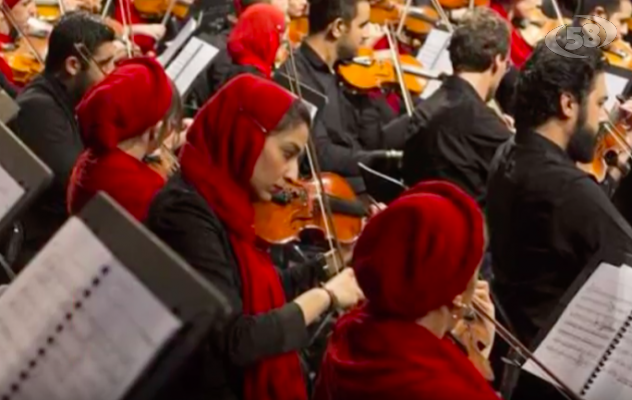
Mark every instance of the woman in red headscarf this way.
pixel 240 147
pixel 119 128
pixel 252 45
pixel 417 263
pixel 20 12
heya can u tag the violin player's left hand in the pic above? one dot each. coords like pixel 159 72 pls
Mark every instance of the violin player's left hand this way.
pixel 484 300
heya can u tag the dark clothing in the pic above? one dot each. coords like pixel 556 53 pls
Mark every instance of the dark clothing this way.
pixel 208 82
pixel 456 138
pixel 219 74
pixel 46 124
pixel 181 217
pixel 547 220
pixel 8 86
pixel 346 132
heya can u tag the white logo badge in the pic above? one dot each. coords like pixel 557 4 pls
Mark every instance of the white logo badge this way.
pixel 581 36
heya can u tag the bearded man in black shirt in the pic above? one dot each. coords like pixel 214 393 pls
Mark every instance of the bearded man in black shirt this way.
pixel 547 217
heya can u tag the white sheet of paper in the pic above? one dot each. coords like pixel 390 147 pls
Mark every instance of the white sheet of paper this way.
pixel 76 324
pixel 614 381
pixel 581 336
pixel 191 61
pixel 434 55
pixel 177 43
pixel 10 192
pixel 615 85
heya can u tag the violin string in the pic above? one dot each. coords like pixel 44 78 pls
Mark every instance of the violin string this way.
pixel 325 209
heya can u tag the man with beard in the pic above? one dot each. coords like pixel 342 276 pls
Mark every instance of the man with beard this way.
pixel 349 130
pixel 547 217
pixel 461 149
pixel 46 120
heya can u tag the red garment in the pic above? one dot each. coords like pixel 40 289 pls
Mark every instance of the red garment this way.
pixel 414 257
pixel 393 99
pixel 256 37
pixel 129 181
pixel 112 111
pixel 218 159
pixel 5 69
pixel 11 3
pixel 520 49
pixel 132 16
pixel 373 359
pixel 117 108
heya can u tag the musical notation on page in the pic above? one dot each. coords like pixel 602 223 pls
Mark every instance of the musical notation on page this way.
pixel 10 192
pixel 191 61
pixel 76 324
pixel 587 327
pixel 176 44
pixel 434 56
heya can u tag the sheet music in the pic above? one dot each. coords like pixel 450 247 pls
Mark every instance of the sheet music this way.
pixel 583 333
pixel 76 324
pixel 434 53
pixel 615 85
pixel 614 381
pixel 313 110
pixel 191 61
pixel 10 192
pixel 177 43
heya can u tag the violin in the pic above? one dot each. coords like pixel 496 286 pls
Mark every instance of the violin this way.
pixel 153 9
pixel 298 28
pixel 417 23
pixel 619 53
pixel 534 26
pixel 296 210
pixel 456 4
pixel 371 70
pixel 469 333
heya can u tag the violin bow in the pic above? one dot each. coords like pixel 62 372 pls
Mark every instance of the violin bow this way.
pixel 165 18
pixel 442 15
pixel 87 57
pixel 558 12
pixel 393 46
pixel 126 16
pixel 314 166
pixel 29 44
pixel 524 352
pixel 402 17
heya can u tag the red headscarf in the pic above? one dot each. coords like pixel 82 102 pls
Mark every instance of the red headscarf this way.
pixel 114 110
pixel 520 49
pixel 412 258
pixel 256 37
pixel 218 159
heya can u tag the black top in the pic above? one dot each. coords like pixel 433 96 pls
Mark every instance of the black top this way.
pixel 46 124
pixel 8 87
pixel 456 138
pixel 181 217
pixel 345 132
pixel 547 220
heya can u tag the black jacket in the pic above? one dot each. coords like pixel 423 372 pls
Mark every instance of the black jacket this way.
pixel 180 216
pixel 46 124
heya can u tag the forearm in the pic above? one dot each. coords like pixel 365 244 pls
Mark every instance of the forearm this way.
pixel 313 304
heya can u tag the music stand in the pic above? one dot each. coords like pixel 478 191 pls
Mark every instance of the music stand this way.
pixel 8 107
pixel 197 303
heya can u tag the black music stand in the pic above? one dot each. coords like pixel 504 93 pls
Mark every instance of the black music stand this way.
pixel 197 303
pixel 31 174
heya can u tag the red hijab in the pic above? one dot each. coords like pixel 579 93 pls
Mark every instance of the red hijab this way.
pixel 520 49
pixel 112 111
pixel 218 159
pixel 412 258
pixel 256 37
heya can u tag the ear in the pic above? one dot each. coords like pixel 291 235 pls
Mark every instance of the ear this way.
pixel 568 106
pixel 496 63
pixel 72 66
pixel 338 28
pixel 457 303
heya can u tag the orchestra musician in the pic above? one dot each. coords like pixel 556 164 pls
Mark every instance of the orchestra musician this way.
pixel 21 11
pixel 252 45
pixel 241 146
pixel 113 159
pixel 344 135
pixel 547 217
pixel 395 346
pixel 46 119
pixel 144 33
pixel 461 149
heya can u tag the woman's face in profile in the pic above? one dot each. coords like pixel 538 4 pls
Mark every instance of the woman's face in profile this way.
pixel 278 160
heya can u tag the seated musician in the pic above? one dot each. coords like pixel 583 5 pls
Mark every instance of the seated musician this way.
pixel 461 149
pixel 547 217
pixel 46 120
pixel 144 33
pixel 343 136
pixel 240 147
pixel 113 159
pixel 510 10
pixel 252 45
pixel 617 12
pixel 417 262
pixel 20 12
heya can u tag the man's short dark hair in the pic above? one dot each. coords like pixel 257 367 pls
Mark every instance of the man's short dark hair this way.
pixel 610 6
pixel 324 12
pixel 481 36
pixel 75 28
pixel 547 75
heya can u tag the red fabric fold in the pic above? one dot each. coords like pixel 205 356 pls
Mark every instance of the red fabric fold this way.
pixel 412 258
pixel 520 49
pixel 256 38
pixel 218 159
